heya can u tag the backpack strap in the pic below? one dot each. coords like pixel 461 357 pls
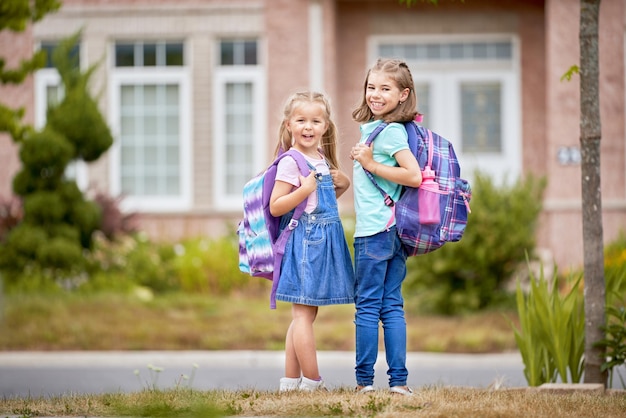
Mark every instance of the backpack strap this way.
pixel 281 241
pixel 387 199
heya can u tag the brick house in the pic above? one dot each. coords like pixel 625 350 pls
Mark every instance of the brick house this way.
pixel 193 91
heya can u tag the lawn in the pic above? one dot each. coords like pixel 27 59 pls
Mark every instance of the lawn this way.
pixel 427 402
pixel 201 322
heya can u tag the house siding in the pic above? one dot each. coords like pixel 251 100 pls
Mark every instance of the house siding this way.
pixel 545 31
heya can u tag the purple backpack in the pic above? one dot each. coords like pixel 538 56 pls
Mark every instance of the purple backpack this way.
pixel 261 243
pixel 436 212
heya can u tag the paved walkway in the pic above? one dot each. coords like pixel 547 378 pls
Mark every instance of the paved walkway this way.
pixel 54 373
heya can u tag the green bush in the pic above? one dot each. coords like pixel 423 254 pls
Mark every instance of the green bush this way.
pixel 551 336
pixel 135 260
pixel 22 244
pixel 469 275
pixel 44 156
pixel 58 222
pixel 615 328
pixel 212 266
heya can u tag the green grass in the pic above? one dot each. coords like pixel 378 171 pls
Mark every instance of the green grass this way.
pixel 201 322
pixel 427 402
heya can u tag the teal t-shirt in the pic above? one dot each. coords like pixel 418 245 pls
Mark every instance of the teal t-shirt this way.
pixel 372 214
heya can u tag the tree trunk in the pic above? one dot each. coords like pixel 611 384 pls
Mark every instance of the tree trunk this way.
pixel 593 245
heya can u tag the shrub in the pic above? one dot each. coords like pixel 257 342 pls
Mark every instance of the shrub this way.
pixel 615 328
pixel 57 219
pixel 212 266
pixel 551 336
pixel 114 223
pixel 134 260
pixel 469 275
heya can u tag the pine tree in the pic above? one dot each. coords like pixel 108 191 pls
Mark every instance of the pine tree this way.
pixel 58 221
pixel 16 16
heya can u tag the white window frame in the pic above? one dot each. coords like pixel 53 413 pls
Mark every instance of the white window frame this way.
pixel 445 79
pixel 150 75
pixel 49 77
pixel 227 200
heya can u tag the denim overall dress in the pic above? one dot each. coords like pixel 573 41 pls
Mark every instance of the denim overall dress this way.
pixel 317 268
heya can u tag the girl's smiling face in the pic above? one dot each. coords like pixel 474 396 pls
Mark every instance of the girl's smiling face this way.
pixel 307 125
pixel 382 94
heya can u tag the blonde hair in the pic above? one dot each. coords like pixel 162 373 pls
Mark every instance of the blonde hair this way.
pixel 398 71
pixel 329 139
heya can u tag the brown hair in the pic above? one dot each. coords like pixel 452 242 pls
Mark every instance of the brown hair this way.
pixel 400 73
pixel 329 139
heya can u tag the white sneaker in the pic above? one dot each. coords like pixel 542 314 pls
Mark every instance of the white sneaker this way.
pixel 289 383
pixel 365 389
pixel 309 385
pixel 402 390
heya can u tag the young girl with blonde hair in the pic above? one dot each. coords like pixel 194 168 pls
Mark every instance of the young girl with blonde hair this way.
pixel 316 268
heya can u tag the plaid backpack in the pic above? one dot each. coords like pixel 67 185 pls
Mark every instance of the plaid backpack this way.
pixel 261 246
pixel 425 229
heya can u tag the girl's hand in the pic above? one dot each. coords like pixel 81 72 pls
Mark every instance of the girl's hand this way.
pixel 363 154
pixel 407 173
pixel 285 197
pixel 308 183
pixel 340 181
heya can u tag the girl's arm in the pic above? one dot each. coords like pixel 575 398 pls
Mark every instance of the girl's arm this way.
pixel 408 173
pixel 341 182
pixel 284 197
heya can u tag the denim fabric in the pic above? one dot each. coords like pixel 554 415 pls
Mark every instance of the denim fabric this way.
pixel 317 267
pixel 380 265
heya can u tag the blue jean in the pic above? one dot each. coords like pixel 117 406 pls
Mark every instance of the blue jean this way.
pixel 380 264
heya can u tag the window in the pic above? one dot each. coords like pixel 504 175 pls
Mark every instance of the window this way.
pixel 149 54
pixel 242 52
pixel 239 125
pixel 467 89
pixel 48 92
pixel 150 117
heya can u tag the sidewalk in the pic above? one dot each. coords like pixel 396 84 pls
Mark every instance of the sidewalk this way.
pixel 57 373
pixel 48 373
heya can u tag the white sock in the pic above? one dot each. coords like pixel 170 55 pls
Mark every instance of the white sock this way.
pixel 289 383
pixel 310 385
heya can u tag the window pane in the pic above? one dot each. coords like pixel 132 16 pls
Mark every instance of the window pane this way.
pixel 504 50
pixel 150 140
pixel 479 50
pixel 128 156
pixel 171 92
pixel 227 53
pixel 151 155
pixel 250 53
pixel 49 47
pixel 174 55
pixel 54 95
pixel 150 96
pixel 422 90
pixel 149 55
pixel 171 126
pixel 433 51
pixel 386 50
pixel 124 55
pixel 239 135
pixel 128 96
pixel 468 51
pixel 128 125
pixel 150 124
pixel 481 117
pixel 171 156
